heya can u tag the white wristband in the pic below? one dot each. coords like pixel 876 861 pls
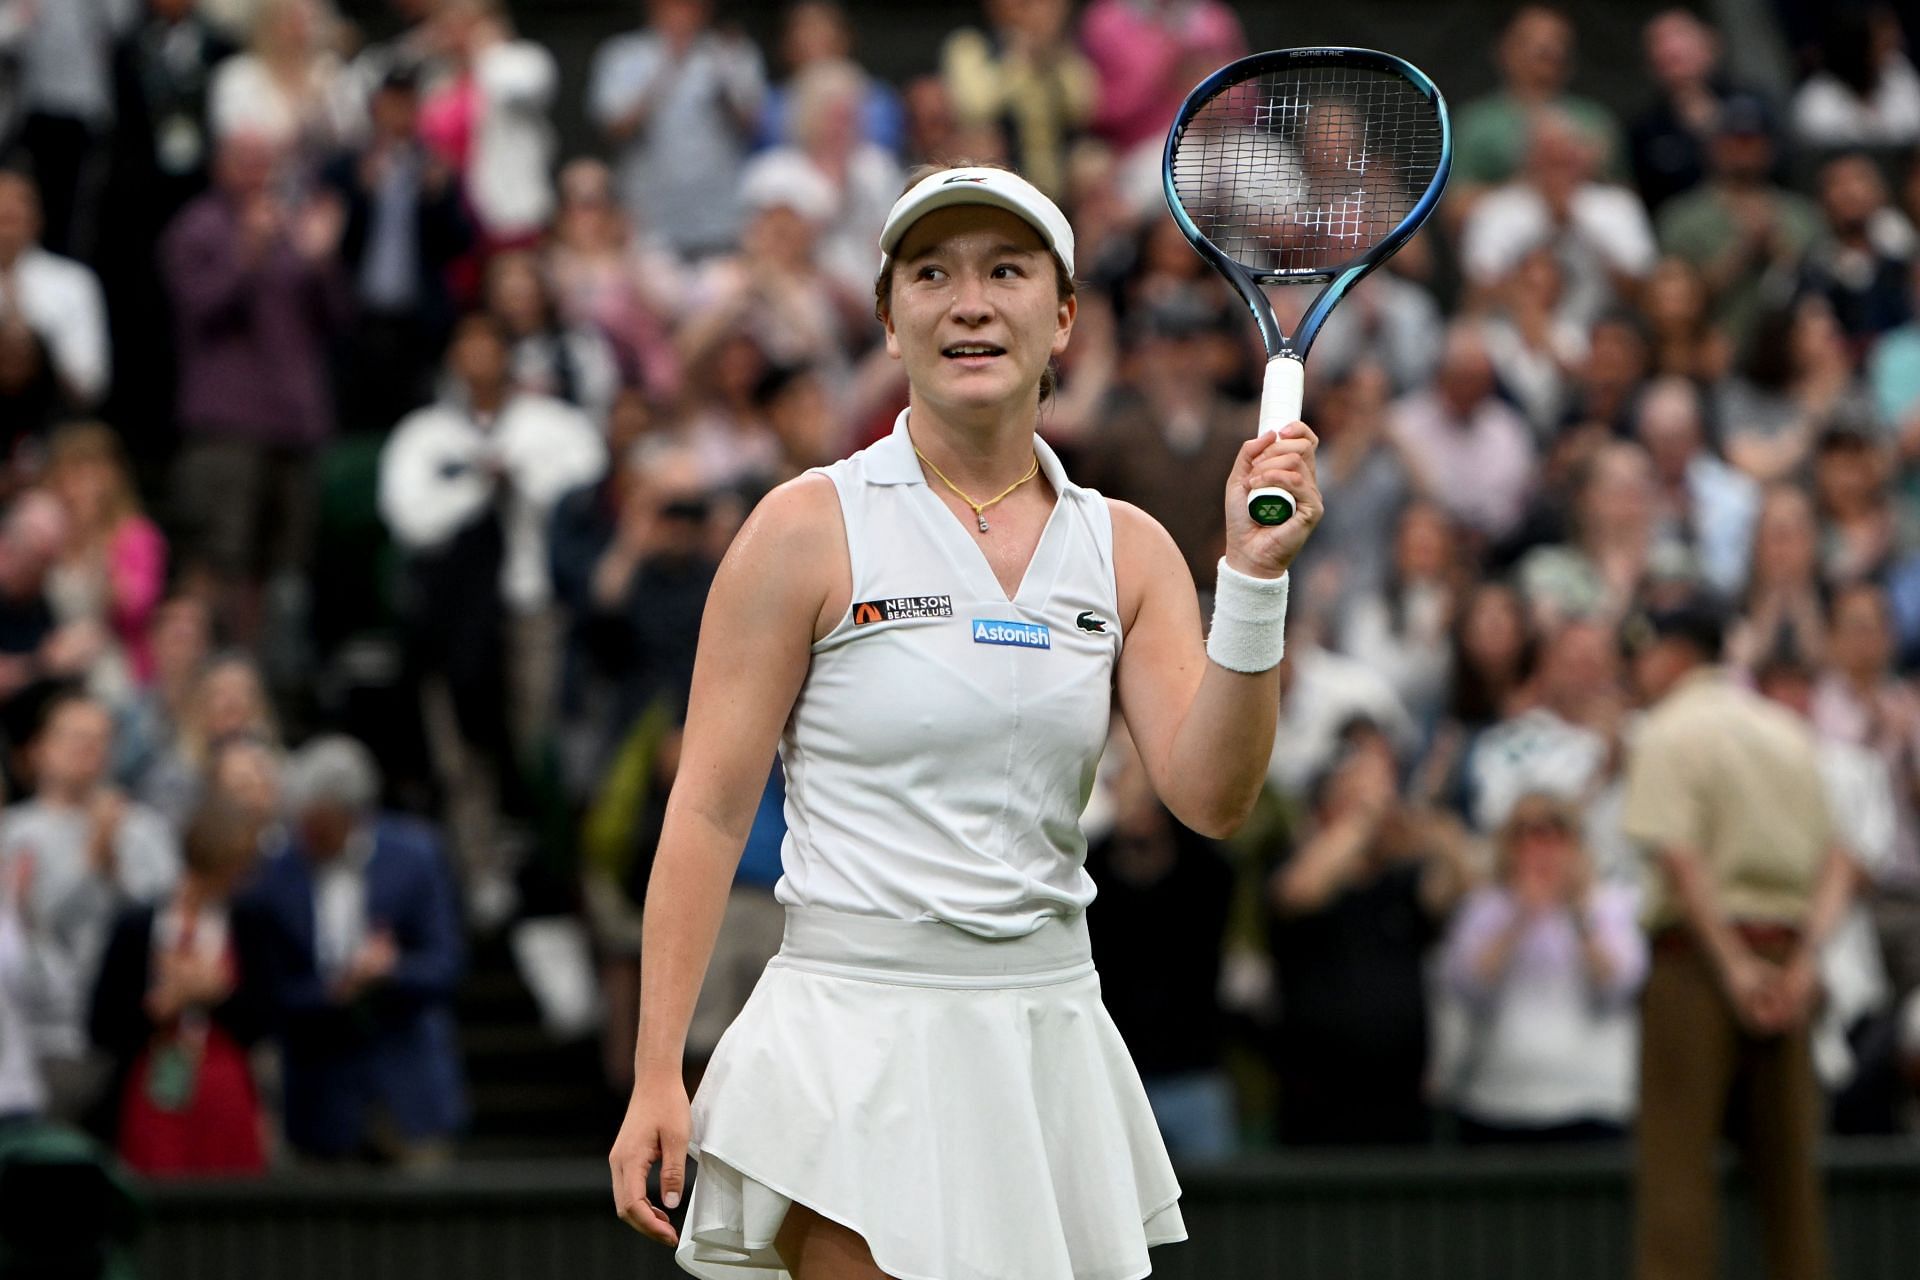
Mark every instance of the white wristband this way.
pixel 1249 621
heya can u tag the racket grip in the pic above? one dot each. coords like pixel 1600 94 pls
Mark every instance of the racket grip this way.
pixel 1280 399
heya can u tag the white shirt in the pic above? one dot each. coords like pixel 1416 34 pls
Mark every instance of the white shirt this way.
pixel 244 97
pixel 1327 692
pixel 1852 972
pixel 340 905
pixel 434 480
pixel 944 744
pixel 60 300
pixel 1827 113
pixel 72 909
pixel 22 1092
pixel 1607 230
pixel 508 174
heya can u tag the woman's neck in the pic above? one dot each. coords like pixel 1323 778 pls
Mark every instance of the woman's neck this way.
pixel 982 455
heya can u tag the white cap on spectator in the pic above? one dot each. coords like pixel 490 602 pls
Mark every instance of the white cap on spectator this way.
pixel 996 187
pixel 783 178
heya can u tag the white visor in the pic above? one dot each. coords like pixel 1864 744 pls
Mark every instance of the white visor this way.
pixel 995 187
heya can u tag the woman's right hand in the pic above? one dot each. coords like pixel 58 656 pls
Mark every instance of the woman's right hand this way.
pixel 658 1123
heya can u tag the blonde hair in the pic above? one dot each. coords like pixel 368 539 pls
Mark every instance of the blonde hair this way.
pixel 1532 807
pixel 81 443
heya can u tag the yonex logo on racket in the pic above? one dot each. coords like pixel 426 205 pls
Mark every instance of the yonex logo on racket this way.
pixel 1021 635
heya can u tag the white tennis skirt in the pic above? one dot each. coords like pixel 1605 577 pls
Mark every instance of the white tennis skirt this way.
pixel 964 1103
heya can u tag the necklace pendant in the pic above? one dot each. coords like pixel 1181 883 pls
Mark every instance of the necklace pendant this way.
pixel 983 524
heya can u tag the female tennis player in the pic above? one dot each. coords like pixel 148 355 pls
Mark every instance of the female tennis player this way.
pixel 924 1083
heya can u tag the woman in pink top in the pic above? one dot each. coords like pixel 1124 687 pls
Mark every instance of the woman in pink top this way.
pixel 115 565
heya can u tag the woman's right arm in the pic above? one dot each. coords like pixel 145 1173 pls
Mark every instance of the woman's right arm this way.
pixel 783 583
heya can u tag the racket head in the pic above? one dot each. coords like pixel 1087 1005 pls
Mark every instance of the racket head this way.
pixel 1306 165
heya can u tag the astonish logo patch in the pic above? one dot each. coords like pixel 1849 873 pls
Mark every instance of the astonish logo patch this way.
pixel 898 607
pixel 1021 635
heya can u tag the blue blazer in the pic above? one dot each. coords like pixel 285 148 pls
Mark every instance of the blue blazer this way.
pixel 393 1053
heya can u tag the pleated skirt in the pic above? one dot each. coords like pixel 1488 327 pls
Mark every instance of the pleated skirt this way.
pixel 965 1104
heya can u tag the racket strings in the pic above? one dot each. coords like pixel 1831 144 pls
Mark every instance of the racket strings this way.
pixel 1303 171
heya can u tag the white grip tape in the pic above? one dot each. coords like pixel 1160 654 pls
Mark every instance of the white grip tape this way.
pixel 1281 395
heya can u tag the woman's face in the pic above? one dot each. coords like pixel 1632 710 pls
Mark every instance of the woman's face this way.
pixel 232 701
pixel 975 311
pixel 1674 299
pixel 1784 550
pixel 516 294
pixel 1542 849
pixel 1494 629
pixel 83 486
pixel 1420 550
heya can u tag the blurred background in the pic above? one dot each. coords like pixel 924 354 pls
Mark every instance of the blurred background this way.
pixel 381 382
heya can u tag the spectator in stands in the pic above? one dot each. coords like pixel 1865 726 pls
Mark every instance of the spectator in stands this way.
pixel 259 297
pixel 1797 381
pixel 1024 77
pixel 1404 630
pixel 1724 796
pixel 23 1094
pixel 1698 499
pixel 467 486
pixel 405 226
pixel 1165 896
pixel 1783 607
pixel 1865 92
pixel 289 88
pixel 1364 480
pixel 1669 139
pixel 487 120
pixel 1893 371
pixel 1861 528
pixel 185 990
pixel 1468 450
pixel 1741 232
pixel 1148 56
pixel 178 642
pixel 680 99
pixel 551 357
pixel 829 138
pixel 1862 262
pixel 368 935
pixel 92 852
pixel 816 31
pixel 57 299
pixel 610 276
pixel 114 567
pixel 34 644
pixel 1535 60
pixel 775 292
pixel 227 697
pixel 1534 344
pixel 1168 432
pixel 1562 737
pixel 1861 699
pixel 1354 911
pixel 161 159
pixel 1680 326
pixel 1854 1036
pixel 1598 572
pixel 799 410
pixel 66 94
pixel 31 401
pixel 1548 963
pixel 1388 319
pixel 1598 232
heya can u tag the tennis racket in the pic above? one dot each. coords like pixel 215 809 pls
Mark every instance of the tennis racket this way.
pixel 1304 166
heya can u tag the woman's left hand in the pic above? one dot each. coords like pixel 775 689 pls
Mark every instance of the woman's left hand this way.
pixel 1282 461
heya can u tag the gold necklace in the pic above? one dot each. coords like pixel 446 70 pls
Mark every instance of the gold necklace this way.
pixel 979 507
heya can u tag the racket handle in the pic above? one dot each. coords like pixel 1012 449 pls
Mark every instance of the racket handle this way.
pixel 1280 399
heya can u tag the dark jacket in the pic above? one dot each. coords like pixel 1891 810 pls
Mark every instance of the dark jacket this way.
pixel 393 1049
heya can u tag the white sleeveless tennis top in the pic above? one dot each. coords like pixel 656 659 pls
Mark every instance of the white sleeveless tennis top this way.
pixel 944 743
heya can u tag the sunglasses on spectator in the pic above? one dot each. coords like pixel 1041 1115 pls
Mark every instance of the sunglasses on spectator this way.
pixel 1539 828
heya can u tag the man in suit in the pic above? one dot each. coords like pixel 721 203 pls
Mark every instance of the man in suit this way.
pixel 371 952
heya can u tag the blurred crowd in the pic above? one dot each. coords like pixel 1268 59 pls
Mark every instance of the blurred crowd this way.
pixel 366 457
